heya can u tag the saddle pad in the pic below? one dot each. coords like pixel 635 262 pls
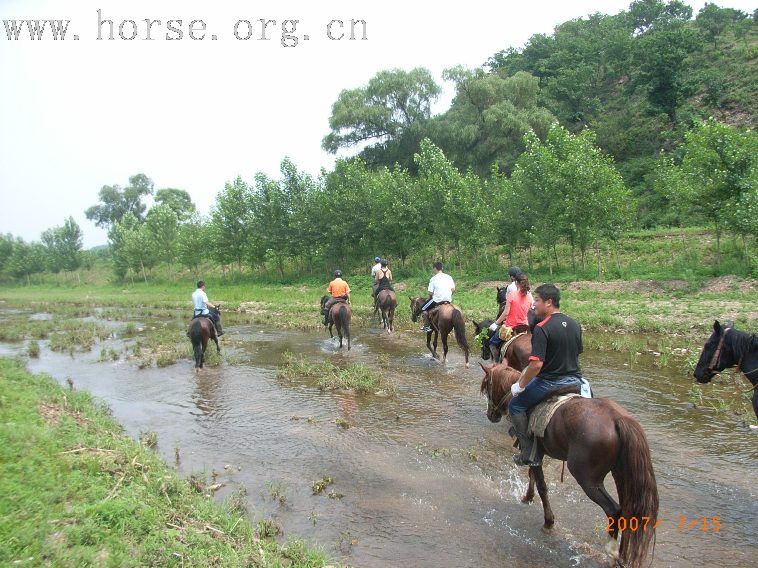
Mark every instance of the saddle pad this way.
pixel 540 415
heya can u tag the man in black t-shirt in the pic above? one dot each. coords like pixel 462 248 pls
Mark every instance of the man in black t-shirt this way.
pixel 553 365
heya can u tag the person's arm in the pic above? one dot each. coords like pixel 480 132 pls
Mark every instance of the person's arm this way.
pixel 539 347
pixel 430 289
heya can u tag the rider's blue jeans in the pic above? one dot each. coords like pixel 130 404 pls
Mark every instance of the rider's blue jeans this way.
pixel 537 391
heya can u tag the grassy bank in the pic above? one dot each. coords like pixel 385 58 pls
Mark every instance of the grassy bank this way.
pixel 75 491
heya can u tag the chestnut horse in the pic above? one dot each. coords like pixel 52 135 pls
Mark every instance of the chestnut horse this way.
pixel 518 351
pixel 443 319
pixel 386 301
pixel 201 329
pixel 340 315
pixel 594 436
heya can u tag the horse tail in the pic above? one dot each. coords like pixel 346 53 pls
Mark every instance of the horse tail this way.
pixel 196 336
pixel 637 490
pixel 344 317
pixel 460 331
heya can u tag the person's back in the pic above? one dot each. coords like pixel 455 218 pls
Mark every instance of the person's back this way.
pixel 338 288
pixel 384 278
pixel 519 305
pixel 199 301
pixel 558 342
pixel 441 287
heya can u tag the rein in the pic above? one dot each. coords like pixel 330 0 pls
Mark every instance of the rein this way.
pixel 717 355
pixel 489 395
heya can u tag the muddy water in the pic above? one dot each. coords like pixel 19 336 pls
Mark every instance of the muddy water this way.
pixel 426 479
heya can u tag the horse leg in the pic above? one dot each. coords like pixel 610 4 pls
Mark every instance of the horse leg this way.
pixel 529 495
pixel 204 346
pixel 755 401
pixel 429 343
pixel 436 335
pixel 331 335
pixel 539 476
pixel 218 347
pixel 595 490
pixel 444 347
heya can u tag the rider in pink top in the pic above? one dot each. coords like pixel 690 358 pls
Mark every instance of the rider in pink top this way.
pixel 519 303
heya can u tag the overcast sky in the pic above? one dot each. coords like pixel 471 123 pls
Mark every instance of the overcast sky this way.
pixel 192 114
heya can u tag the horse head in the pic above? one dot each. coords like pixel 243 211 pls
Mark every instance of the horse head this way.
pixel 324 300
pixel 478 328
pixel 496 384
pixel 712 358
pixel 416 305
pixel 501 293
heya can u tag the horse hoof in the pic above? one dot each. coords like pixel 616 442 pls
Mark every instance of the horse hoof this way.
pixel 547 527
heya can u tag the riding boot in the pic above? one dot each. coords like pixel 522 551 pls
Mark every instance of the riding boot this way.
pixel 520 426
pixel 425 318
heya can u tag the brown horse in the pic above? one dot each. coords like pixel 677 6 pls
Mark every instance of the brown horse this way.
pixel 340 315
pixel 386 301
pixel 201 329
pixel 443 319
pixel 518 351
pixel 594 436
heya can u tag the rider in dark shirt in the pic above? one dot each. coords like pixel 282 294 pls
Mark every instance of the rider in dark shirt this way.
pixel 553 365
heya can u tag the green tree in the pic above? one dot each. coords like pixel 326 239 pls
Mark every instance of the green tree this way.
pixel 713 20
pixel 63 247
pixel 231 227
pixel 382 114
pixel 488 118
pixel 162 226
pixel 193 243
pixel 116 202
pixel 178 200
pixel 717 178
pixel 568 189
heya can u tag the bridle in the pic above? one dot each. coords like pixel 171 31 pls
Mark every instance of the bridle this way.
pixel 489 394
pixel 717 356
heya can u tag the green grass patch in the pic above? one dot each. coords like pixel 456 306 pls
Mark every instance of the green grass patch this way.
pixel 328 376
pixel 74 491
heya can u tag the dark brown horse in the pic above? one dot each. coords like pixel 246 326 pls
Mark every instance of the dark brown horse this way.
pixel 518 351
pixel 594 436
pixel 725 348
pixel 200 331
pixel 443 319
pixel 386 301
pixel 340 315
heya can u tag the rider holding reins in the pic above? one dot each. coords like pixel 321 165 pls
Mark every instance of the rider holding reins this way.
pixel 201 303
pixel 516 313
pixel 553 365
pixel 340 292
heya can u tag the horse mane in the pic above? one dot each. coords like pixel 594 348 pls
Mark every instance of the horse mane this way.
pixel 504 373
pixel 743 342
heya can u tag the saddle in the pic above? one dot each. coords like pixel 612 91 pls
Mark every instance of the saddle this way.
pixel 541 414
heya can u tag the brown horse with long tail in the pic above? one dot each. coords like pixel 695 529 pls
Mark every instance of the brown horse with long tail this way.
pixel 443 319
pixel 593 436
pixel 386 301
pixel 200 331
pixel 340 315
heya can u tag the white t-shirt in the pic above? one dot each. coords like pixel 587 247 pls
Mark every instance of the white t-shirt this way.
pixel 199 299
pixel 376 268
pixel 512 287
pixel 441 287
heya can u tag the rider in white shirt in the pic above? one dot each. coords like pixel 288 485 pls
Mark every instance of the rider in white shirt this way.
pixel 376 268
pixel 441 289
pixel 201 304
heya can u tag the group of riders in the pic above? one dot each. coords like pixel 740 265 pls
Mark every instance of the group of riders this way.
pixel 556 338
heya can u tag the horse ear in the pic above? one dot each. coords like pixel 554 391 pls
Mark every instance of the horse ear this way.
pixel 486 368
pixel 716 326
pixel 476 324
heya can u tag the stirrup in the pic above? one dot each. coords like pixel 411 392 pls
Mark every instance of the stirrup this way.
pixel 519 460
